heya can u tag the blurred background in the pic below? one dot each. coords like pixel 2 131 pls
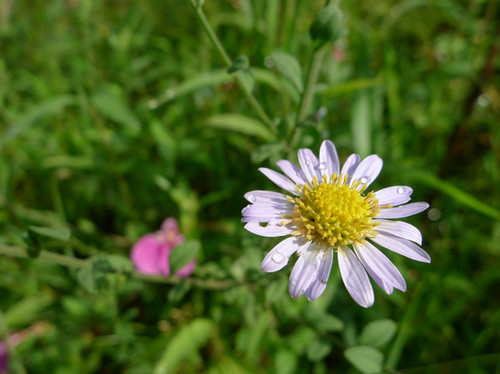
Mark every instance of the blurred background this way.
pixel 116 115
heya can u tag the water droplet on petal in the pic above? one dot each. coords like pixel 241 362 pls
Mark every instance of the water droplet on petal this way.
pixel 278 257
pixel 251 198
pixel 401 190
pixel 322 166
pixel 308 162
pixel 364 180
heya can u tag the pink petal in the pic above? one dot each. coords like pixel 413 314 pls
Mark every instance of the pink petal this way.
pixel 147 255
pixel 187 270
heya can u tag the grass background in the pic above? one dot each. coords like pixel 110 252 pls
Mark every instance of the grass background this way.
pixel 110 118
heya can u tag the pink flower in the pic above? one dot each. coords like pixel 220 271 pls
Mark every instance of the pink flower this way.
pixel 4 358
pixel 150 255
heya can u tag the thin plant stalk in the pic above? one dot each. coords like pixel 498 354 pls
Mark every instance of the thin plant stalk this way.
pixel 307 96
pixel 63 260
pixel 227 60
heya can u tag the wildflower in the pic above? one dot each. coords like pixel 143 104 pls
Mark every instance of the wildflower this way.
pixel 328 210
pixel 150 255
pixel 4 358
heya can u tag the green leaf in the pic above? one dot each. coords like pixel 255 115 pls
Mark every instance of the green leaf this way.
pixel 361 123
pixel 112 105
pixel 321 320
pixel 86 279
pixel 118 263
pixel 58 233
pixel 378 333
pixel 187 341
pixel 247 79
pixel 289 67
pixel 242 124
pixel 183 254
pixel 34 235
pixel 368 360
pixel 240 63
pixel 456 193
pixel 27 311
pixel 285 361
pixel 265 151
pixel 318 350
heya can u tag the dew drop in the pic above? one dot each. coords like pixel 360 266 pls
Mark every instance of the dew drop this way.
pixel 278 257
pixel 364 180
pixel 401 190
pixel 322 166
pixel 251 198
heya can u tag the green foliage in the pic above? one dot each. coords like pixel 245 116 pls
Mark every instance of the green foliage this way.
pixel 116 115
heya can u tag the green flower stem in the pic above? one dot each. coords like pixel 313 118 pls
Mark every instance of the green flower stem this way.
pixel 58 259
pixel 312 76
pixel 227 60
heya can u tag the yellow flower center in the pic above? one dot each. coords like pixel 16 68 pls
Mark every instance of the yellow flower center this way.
pixel 333 213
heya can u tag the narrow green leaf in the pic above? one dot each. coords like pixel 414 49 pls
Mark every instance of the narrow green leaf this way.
pixel 112 105
pixel 27 311
pixel 378 333
pixel 187 341
pixel 289 67
pixel 361 123
pixel 58 233
pixel 456 193
pixel 368 360
pixel 182 254
pixel 242 124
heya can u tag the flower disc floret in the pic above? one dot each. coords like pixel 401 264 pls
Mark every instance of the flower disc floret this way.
pixel 334 213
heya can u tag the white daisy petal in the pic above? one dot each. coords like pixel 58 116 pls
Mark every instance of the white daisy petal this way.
pixel 264 213
pixel 279 180
pixel 315 290
pixel 266 196
pixel 319 284
pixel 367 170
pixel 355 278
pixel 269 231
pixel 278 257
pixel 395 195
pixel 350 165
pixel 399 228
pixel 292 171
pixel 328 159
pixel 304 273
pixel 403 210
pixel 402 246
pixel 380 268
pixel 309 164
pixel 304 246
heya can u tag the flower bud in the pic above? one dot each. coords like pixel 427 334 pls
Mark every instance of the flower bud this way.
pixel 327 26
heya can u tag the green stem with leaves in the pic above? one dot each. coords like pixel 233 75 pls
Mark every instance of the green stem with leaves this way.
pixel 227 60
pixel 58 259
pixel 307 96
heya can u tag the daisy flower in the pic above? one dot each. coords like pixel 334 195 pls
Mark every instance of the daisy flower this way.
pixel 328 210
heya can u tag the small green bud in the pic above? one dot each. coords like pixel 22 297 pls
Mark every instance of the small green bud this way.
pixel 239 63
pixel 327 26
